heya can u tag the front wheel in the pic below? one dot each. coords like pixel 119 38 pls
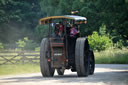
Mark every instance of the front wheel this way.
pixel 92 62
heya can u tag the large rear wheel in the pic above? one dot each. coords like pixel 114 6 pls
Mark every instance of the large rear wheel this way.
pixel 81 57
pixel 92 62
pixel 45 66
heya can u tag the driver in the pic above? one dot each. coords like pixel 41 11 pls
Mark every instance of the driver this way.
pixel 59 29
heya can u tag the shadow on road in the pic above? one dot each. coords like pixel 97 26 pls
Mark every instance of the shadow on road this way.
pixel 120 76
pixel 108 76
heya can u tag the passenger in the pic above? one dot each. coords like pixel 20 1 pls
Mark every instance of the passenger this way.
pixel 74 31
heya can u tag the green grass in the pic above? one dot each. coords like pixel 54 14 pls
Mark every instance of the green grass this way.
pixel 112 56
pixel 19 69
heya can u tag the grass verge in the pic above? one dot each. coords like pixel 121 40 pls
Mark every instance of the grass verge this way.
pixel 112 56
pixel 19 69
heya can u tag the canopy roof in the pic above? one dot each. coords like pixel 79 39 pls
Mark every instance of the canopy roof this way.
pixel 72 17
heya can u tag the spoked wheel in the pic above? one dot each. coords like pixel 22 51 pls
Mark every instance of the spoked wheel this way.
pixel 60 71
pixel 45 66
pixel 81 57
pixel 92 62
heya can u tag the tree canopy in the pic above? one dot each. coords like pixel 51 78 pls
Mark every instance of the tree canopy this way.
pixel 19 18
pixel 112 13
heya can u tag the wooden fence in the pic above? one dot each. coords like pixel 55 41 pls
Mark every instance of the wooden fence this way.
pixel 19 57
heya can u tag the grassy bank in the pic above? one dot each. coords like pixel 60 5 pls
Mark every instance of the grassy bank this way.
pixel 19 69
pixel 112 56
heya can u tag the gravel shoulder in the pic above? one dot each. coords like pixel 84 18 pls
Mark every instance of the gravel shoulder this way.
pixel 105 74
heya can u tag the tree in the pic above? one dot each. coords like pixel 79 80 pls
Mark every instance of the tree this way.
pixel 49 7
pixel 109 12
pixel 23 15
pixel 18 18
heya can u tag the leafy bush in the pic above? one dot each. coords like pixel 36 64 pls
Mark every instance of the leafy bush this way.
pixel 26 44
pixel 21 43
pixel 99 42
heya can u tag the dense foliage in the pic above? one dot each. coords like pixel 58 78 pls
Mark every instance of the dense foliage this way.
pixel 112 13
pixel 19 18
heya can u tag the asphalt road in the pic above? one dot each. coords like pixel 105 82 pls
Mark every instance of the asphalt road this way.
pixel 105 74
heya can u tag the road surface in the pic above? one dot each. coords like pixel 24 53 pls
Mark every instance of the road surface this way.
pixel 105 74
